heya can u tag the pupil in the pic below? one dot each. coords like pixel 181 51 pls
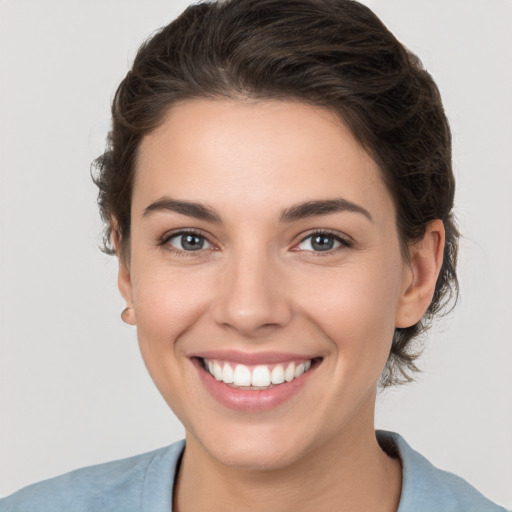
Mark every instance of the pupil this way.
pixel 322 242
pixel 192 242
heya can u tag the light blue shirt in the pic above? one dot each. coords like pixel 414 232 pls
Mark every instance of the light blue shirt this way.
pixel 144 484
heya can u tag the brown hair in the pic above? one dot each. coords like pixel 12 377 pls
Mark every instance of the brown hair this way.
pixel 331 53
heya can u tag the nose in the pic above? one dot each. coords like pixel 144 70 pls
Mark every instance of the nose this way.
pixel 251 297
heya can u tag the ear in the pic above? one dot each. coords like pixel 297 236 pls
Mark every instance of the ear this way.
pixel 124 280
pixel 425 261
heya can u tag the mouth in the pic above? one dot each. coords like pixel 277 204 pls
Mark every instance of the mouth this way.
pixel 256 377
pixel 254 385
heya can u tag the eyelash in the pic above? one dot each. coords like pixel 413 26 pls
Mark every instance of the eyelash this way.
pixel 344 242
pixel 164 242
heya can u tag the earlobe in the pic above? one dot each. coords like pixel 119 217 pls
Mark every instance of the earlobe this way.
pixel 124 280
pixel 128 315
pixel 125 287
pixel 425 262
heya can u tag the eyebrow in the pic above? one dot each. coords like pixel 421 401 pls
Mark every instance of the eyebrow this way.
pixel 196 210
pixel 296 212
pixel 322 207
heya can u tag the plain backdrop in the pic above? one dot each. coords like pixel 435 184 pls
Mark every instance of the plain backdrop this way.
pixel 74 390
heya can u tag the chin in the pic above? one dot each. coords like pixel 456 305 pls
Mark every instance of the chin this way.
pixel 255 456
pixel 256 448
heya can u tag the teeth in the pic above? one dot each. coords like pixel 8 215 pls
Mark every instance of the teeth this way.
pixel 228 376
pixel 242 376
pixel 289 373
pixel 217 370
pixel 277 375
pixel 260 377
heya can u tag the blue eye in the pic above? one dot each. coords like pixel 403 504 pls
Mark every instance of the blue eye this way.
pixel 188 242
pixel 322 242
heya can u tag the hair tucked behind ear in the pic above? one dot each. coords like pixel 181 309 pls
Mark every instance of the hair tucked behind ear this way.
pixel 331 53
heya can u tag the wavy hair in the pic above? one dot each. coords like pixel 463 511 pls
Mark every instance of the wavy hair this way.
pixel 335 54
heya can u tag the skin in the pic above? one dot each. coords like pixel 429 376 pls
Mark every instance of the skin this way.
pixel 259 285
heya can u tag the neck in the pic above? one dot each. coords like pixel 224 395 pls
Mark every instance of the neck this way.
pixel 348 473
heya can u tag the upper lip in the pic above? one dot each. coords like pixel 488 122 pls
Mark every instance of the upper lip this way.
pixel 251 358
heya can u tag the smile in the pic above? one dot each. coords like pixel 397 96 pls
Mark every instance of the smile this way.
pixel 253 382
pixel 256 377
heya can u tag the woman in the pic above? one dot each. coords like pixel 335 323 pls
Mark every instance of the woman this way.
pixel 278 191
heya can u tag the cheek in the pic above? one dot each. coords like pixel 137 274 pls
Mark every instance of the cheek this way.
pixel 167 306
pixel 355 308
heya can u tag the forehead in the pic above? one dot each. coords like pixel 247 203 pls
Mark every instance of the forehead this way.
pixel 253 154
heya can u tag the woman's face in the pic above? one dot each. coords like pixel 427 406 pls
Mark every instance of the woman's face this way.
pixel 263 243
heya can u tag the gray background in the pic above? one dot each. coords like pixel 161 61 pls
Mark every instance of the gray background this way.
pixel 74 390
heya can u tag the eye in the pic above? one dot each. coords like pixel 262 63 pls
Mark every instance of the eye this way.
pixel 322 242
pixel 188 242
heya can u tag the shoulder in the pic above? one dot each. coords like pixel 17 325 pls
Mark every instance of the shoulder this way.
pixel 426 488
pixel 139 483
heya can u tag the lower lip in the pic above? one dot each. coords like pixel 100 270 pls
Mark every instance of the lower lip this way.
pixel 256 400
